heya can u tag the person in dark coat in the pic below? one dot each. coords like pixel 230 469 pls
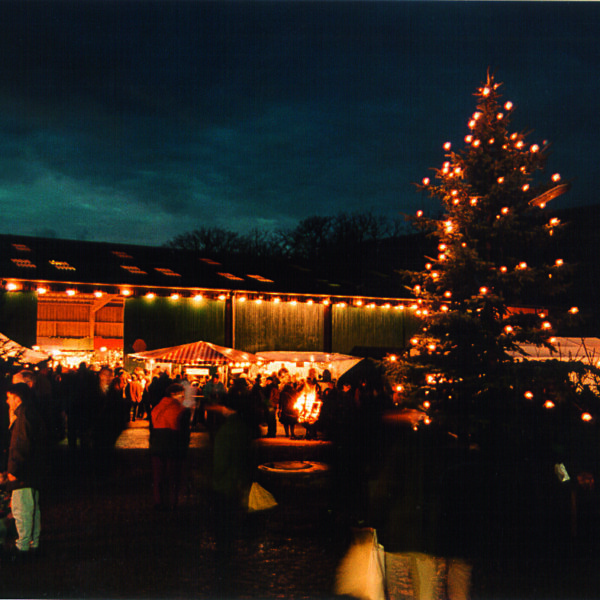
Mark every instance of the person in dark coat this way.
pixel 288 415
pixel 169 442
pixel 25 469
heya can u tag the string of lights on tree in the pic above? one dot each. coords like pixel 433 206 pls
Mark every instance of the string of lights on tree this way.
pixel 494 249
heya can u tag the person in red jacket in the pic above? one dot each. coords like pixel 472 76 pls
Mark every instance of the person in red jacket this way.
pixel 169 442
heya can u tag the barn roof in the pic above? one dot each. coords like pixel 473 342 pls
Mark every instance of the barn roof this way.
pixel 82 263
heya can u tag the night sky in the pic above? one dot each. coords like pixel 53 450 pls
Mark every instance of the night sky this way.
pixel 135 121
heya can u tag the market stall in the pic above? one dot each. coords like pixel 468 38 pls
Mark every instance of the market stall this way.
pixel 13 351
pixel 298 363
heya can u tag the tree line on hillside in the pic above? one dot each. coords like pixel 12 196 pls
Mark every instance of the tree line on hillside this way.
pixel 311 239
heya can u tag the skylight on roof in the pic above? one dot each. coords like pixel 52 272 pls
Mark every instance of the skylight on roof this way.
pixel 24 263
pixel 231 276
pixel 61 265
pixel 133 269
pixel 121 254
pixel 167 272
pixel 210 261
pixel 261 279
pixel 21 247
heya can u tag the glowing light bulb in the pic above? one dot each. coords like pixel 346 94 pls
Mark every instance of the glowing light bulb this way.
pixel 559 262
pixel 426 181
pixel 500 180
pixel 468 139
pixel 528 395
pixel 535 148
pixel 509 329
pixel 508 105
pixel 500 116
pixel 419 213
pixel 150 295
pixel 447 146
pixel 573 310
pixel 525 187
pixel 546 325
pixel 504 211
pixel 485 91
pixel 198 297
pixel 556 177
pixel 98 294
pixel 548 404
pixel 586 416
pixel 483 290
pixel 476 143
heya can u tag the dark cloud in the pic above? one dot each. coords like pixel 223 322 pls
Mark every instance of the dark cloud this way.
pixel 145 119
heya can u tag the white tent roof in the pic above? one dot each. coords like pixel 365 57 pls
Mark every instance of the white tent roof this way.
pixel 337 364
pixel 10 349
pixel 567 348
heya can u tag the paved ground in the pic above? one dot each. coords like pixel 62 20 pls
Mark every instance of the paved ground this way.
pixel 102 539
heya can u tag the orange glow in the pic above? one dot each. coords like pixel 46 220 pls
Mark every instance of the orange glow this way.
pixel 535 148
pixel 556 177
pixel 548 404
pixel 468 139
pixel 528 395
pixel 559 262
pixel 508 105
pixel 483 290
pixel 573 310
pixel 419 213
pixel 41 290
pixel 98 294
pixel 525 187
pixel 12 287
pixel 198 298
pixel 308 406
pixel 150 295
pixel 426 181
pixel 70 292
pixel 504 211
pixel 277 300
pixel 447 146
pixel 546 325
pixel 500 180
pixel 175 296
pixel 508 329
pixel 222 297
pixel 503 269
pixel 476 143
pixel 586 416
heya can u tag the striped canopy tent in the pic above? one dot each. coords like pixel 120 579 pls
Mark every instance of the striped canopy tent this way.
pixel 197 353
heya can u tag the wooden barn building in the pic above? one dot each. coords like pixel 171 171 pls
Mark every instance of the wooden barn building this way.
pixel 93 301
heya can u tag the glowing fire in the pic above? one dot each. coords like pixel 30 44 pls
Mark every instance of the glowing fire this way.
pixel 308 406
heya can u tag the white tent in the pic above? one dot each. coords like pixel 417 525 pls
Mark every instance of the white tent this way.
pixel 23 355
pixel 294 361
pixel 567 348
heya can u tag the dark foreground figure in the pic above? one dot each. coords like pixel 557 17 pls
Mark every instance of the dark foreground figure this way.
pixel 101 538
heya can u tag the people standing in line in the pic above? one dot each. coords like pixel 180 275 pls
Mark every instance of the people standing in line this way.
pixel 169 442
pixel 25 468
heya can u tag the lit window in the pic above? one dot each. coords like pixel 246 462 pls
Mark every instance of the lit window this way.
pixel 23 263
pixel 21 247
pixel 133 269
pixel 210 261
pixel 261 278
pixel 123 255
pixel 61 265
pixel 231 277
pixel 167 272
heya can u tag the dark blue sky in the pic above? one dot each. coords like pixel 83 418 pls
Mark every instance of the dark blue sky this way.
pixel 135 121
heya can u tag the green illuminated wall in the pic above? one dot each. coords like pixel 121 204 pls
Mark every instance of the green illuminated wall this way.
pixel 162 322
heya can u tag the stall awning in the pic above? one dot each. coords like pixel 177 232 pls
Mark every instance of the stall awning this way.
pixel 21 354
pixel 337 364
pixel 567 348
pixel 197 353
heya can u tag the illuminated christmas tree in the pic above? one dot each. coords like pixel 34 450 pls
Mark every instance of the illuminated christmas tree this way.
pixel 496 253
